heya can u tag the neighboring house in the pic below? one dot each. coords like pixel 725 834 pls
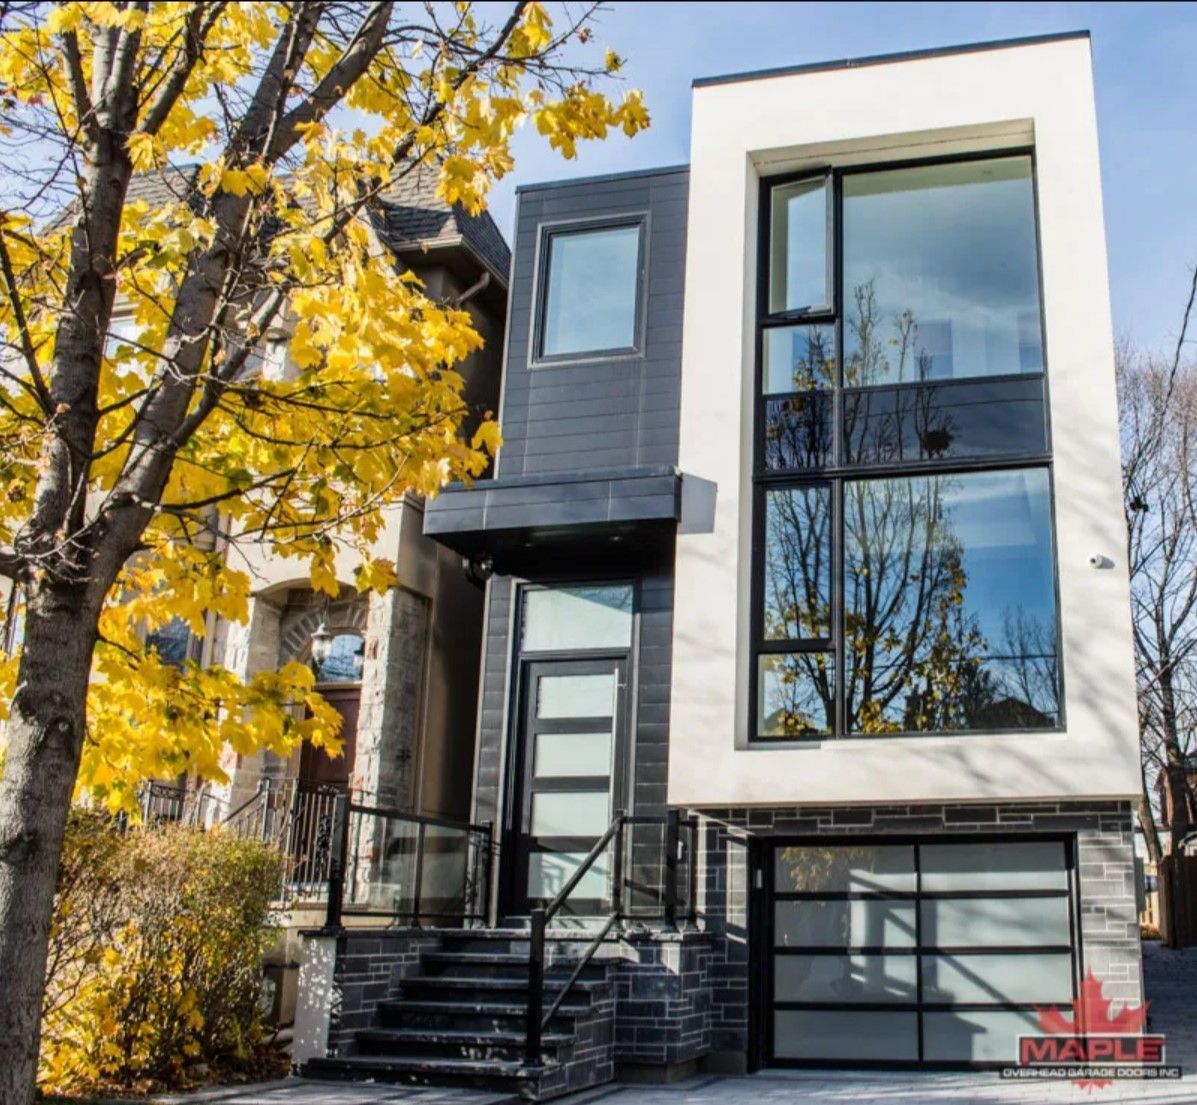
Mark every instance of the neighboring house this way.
pixel 1164 803
pixel 806 534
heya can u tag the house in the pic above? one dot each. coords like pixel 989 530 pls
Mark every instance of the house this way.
pixel 806 731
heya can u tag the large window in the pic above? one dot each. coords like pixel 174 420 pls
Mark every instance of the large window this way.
pixel 590 291
pixel 905 572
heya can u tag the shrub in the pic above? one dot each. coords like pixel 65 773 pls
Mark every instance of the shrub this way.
pixel 155 969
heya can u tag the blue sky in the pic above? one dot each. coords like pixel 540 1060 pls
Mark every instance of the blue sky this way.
pixel 1146 103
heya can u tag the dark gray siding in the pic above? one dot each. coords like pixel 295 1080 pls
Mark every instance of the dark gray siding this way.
pixel 607 413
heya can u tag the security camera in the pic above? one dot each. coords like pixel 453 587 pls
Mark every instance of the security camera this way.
pixel 1099 561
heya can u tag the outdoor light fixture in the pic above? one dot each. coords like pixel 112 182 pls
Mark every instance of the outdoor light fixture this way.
pixel 321 643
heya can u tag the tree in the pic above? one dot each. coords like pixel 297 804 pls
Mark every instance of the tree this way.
pixel 1158 427
pixel 133 466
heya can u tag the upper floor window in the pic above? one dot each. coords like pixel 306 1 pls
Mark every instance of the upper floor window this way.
pixel 940 273
pixel 174 642
pixel 897 589
pixel 590 291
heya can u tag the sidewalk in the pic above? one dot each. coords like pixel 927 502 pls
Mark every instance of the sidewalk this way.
pixel 1171 979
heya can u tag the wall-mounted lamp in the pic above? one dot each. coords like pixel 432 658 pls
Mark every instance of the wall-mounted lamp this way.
pixel 321 643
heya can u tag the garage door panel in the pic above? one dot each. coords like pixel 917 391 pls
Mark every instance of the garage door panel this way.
pixel 1012 979
pixel 844 923
pixel 976 1037
pixel 867 868
pixel 993 865
pixel 845 978
pixel 849 1035
pixel 994 922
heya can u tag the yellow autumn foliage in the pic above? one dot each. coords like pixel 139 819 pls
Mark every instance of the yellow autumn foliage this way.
pixel 155 968
pixel 303 465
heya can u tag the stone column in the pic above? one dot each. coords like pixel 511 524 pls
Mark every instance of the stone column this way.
pixel 248 649
pixel 388 732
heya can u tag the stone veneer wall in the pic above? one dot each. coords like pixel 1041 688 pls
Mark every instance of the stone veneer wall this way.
pixel 663 999
pixel 1105 863
pixel 370 964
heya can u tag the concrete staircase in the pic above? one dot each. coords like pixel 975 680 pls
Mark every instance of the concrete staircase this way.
pixel 460 1021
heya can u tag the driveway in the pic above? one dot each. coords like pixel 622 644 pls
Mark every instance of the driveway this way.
pixel 1171 979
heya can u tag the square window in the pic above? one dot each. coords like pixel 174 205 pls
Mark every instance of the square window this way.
pixel 591 291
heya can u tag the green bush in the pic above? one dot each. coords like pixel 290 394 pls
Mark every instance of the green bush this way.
pixel 155 969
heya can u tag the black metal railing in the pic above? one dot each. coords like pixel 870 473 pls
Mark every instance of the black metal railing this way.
pixel 406 867
pixel 648 858
pixel 167 804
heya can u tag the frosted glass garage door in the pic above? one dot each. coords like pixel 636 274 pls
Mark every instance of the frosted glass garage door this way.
pixel 910 953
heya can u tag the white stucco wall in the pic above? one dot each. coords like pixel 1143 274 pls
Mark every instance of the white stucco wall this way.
pixel 1001 98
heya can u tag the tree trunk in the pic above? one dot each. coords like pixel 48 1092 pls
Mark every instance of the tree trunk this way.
pixel 45 734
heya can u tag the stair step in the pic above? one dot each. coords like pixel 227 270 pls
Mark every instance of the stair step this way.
pixel 488 1074
pixel 454 1036
pixel 463 1014
pixel 479 1044
pixel 498 985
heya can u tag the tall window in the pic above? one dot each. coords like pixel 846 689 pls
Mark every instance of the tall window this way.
pixel 590 291
pixel 905 571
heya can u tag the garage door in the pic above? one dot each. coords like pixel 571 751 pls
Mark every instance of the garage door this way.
pixel 909 953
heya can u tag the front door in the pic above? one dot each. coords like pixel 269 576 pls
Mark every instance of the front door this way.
pixel 570 745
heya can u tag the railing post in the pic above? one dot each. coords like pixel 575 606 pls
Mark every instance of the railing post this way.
pixel 617 869
pixel 419 879
pixel 336 864
pixel 535 988
pixel 673 842
pixel 692 876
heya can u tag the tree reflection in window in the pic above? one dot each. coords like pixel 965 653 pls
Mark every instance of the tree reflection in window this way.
pixel 344 661
pixel 949 604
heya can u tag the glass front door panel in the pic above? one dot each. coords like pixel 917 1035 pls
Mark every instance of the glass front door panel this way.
pixel 570 761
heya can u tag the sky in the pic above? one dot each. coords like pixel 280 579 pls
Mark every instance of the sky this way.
pixel 1146 85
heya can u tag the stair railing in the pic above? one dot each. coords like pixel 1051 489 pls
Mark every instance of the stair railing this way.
pixel 537 1018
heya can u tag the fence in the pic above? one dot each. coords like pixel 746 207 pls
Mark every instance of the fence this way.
pixel 1177 885
pixel 404 867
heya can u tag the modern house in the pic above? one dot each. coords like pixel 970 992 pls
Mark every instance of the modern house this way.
pixel 806 702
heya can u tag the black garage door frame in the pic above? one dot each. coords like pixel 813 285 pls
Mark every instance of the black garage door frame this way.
pixel 761 938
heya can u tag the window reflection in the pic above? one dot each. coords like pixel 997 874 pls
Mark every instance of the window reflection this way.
pixel 798 246
pixel 590 302
pixel 343 664
pixel 795 694
pixel 798 563
pixel 172 642
pixel 944 421
pixel 949 604
pixel 798 358
pixel 940 273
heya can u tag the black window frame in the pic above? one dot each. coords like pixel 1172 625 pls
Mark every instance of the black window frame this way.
pixel 547 232
pixel 840 471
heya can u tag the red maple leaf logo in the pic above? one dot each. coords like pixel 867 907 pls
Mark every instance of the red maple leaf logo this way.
pixel 1091 1017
